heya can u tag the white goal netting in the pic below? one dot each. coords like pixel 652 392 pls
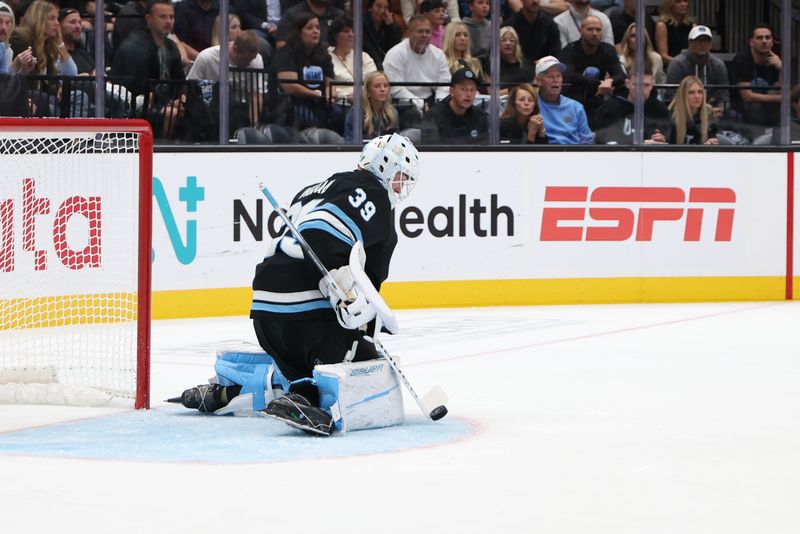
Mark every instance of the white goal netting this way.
pixel 69 259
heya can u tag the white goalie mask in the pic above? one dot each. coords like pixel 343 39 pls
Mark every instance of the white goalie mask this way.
pixel 385 157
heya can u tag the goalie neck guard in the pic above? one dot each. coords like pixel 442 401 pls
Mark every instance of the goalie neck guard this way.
pixel 387 155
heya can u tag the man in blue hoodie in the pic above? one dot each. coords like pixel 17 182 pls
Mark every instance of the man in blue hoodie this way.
pixel 564 118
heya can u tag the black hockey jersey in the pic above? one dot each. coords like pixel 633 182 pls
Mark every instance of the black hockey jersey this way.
pixel 331 216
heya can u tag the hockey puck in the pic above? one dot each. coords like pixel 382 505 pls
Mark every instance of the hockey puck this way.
pixel 438 412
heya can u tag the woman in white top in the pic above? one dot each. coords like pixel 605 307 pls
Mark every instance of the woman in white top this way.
pixel 652 59
pixel 340 39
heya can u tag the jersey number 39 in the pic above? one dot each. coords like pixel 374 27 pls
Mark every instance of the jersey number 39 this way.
pixel 357 200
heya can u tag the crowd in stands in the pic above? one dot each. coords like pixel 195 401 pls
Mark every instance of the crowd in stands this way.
pixel 568 70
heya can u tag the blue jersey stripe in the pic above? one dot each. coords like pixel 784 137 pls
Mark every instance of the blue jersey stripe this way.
pixel 291 308
pixel 342 216
pixel 326 227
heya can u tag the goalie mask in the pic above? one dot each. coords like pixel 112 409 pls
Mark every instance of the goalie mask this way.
pixel 385 157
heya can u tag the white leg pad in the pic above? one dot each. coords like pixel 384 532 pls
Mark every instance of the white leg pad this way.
pixel 360 395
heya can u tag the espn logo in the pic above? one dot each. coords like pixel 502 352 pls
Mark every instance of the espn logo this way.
pixel 606 205
pixel 34 207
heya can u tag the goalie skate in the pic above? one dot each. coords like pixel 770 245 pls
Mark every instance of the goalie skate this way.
pixel 294 410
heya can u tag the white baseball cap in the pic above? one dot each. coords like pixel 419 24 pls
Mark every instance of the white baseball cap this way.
pixel 699 31
pixel 5 9
pixel 547 63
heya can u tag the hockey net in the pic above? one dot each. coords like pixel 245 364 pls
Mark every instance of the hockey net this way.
pixel 75 255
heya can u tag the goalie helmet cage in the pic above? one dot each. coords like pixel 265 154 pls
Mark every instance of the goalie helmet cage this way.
pixel 75 254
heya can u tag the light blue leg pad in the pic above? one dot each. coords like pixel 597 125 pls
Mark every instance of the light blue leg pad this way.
pixel 256 372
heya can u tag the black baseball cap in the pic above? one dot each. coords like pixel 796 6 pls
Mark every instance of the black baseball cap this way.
pixel 65 12
pixel 463 74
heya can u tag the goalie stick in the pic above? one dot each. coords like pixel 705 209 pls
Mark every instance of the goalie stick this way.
pixel 433 404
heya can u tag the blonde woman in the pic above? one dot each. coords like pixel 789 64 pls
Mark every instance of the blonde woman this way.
pixel 693 121
pixel 234 29
pixel 380 117
pixel 672 29
pixel 514 68
pixel 652 60
pixel 457 50
pixel 52 56
pixel 521 122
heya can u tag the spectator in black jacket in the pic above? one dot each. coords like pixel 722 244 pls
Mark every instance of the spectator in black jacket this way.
pixel 593 67
pixel 129 19
pixel 454 121
pixel 613 120
pixel 152 55
pixel 194 24
pixel 381 32
pixel 538 33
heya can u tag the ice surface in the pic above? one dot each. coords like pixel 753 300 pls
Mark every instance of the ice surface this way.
pixel 573 419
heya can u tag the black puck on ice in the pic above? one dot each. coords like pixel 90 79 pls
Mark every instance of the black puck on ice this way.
pixel 438 412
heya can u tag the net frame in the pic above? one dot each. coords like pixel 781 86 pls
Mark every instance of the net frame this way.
pixel 144 238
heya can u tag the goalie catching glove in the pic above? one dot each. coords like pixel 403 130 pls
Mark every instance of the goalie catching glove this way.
pixel 354 311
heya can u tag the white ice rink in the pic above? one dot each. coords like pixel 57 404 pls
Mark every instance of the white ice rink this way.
pixel 579 419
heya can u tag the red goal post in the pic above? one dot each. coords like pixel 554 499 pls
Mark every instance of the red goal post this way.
pixel 75 260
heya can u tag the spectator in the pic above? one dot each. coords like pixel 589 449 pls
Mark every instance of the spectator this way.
pixel 538 33
pixel 480 35
pixel 672 29
pixel 22 62
pixel 129 19
pixel 652 60
pixel 194 24
pixel 569 22
pixel 246 88
pixel 340 39
pixel 410 7
pixel 234 29
pixel 521 122
pixel 593 67
pixel 457 50
pixel 321 9
pixel 52 57
pixel 697 60
pixel 261 16
pixel 380 116
pixel 434 11
pixel 759 69
pixel 414 60
pixel 151 55
pixel 613 120
pixel 514 67
pixel 454 120
pixel 564 119
pixel 70 21
pixel 242 54
pixel 622 16
pixel 693 120
pixel 304 58
pixel 381 32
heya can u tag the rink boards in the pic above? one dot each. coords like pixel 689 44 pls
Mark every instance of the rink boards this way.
pixel 499 228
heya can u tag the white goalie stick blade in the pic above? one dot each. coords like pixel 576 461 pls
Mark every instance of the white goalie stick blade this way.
pixel 365 285
pixel 433 399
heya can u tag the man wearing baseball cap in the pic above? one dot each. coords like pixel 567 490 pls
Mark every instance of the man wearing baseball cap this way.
pixel 564 118
pixel 17 59
pixel 697 60
pixel 454 121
